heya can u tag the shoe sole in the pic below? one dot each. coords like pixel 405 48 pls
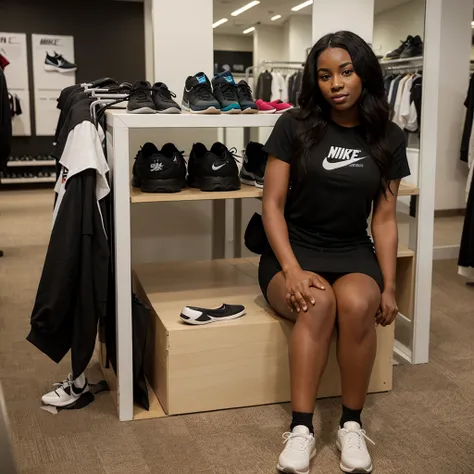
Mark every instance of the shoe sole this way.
pixel 290 470
pixel 351 470
pixel 249 111
pixel 171 110
pixel 161 185
pixel 210 184
pixel 211 110
pixel 142 110
pixel 212 320
pixel 49 68
pixel 231 111
pixel 251 182
pixel 267 111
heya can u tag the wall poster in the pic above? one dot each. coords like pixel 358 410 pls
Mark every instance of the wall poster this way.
pixel 53 70
pixel 14 60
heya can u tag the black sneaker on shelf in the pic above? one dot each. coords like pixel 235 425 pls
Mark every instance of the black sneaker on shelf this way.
pixel 159 171
pixel 396 53
pixel 246 100
pixel 140 101
pixel 253 168
pixel 58 63
pixel 163 99
pixel 226 92
pixel 414 48
pixel 214 169
pixel 199 316
pixel 198 97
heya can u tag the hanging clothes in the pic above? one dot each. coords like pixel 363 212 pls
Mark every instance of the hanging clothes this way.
pixel 278 85
pixel 5 123
pixel 73 290
pixel 264 86
pixel 408 116
pixel 15 105
pixel 469 104
pixel 466 251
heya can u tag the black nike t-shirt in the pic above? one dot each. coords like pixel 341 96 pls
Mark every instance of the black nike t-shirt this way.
pixel 330 199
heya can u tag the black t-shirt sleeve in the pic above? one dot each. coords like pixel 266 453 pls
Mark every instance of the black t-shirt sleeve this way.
pixel 280 144
pixel 398 145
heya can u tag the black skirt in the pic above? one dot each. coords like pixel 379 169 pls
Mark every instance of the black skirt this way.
pixel 330 264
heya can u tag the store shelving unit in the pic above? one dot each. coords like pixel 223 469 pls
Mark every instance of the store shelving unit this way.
pixel 23 165
pixel 211 367
pixel 27 180
pixel 26 164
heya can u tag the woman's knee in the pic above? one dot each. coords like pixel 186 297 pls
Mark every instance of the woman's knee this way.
pixel 320 317
pixel 356 313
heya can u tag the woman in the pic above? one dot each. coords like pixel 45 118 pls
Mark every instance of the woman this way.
pixel 331 162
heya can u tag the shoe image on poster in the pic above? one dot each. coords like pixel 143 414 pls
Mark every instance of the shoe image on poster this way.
pixel 57 63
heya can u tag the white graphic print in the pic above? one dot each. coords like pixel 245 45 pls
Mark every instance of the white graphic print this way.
pixel 156 166
pixel 344 156
pixel 217 167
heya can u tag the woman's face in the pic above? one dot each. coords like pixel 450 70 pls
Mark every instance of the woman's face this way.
pixel 337 80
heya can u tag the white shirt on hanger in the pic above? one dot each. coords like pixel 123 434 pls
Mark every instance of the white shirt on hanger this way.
pixel 398 102
pixel 408 117
pixel 278 86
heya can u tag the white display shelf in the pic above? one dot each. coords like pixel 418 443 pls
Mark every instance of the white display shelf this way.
pixel 26 180
pixel 15 164
pixel 401 60
pixel 187 120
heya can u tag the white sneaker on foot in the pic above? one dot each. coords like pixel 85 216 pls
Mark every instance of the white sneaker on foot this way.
pixel 65 394
pixel 355 457
pixel 300 448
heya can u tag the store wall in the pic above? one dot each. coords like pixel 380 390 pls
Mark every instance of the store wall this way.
pixel 233 42
pixel 394 25
pixel 268 43
pixel 299 34
pixel 115 48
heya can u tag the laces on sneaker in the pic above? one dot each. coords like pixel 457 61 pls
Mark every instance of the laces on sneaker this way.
pixel 354 438
pixel 228 91
pixel 203 91
pixel 64 385
pixel 165 92
pixel 297 441
pixel 246 91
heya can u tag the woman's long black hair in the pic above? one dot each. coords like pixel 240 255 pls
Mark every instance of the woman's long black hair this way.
pixel 374 108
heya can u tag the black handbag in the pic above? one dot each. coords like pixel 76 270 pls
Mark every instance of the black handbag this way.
pixel 255 237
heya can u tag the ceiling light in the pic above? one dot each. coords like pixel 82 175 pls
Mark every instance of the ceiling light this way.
pixel 302 5
pixel 220 22
pixel 276 17
pixel 249 30
pixel 245 8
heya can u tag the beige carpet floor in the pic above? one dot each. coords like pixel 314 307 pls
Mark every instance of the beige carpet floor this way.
pixel 425 425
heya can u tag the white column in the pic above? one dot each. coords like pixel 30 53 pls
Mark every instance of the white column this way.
pixel 183 41
pixel 149 46
pixel 299 37
pixel 353 15
pixel 268 44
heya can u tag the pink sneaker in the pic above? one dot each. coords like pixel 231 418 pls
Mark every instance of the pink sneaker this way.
pixel 265 107
pixel 280 106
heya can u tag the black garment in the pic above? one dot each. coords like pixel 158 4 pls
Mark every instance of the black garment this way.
pixel 5 123
pixel 296 89
pixel 15 105
pixel 416 97
pixel 291 81
pixel 466 251
pixel 466 134
pixel 331 197
pixel 264 86
pixel 72 293
pixel 350 415
pixel 396 83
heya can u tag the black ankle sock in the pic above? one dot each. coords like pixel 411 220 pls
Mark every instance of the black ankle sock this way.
pixel 302 419
pixel 350 415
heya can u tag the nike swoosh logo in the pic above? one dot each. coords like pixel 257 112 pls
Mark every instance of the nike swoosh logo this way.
pixel 340 164
pixel 215 168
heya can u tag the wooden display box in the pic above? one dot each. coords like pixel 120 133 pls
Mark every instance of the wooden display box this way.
pixel 231 364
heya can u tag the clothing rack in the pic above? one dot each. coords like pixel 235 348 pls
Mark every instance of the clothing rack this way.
pixel 286 65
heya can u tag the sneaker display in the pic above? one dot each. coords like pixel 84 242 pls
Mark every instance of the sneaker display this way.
pixel 57 63
pixel 413 49
pixel 246 100
pixel 226 92
pixel 140 101
pixel 65 394
pixel 253 169
pixel 265 108
pixel 355 457
pixel 280 106
pixel 163 99
pixel 214 169
pixel 300 448
pixel 395 54
pixel 199 316
pixel 198 97
pixel 159 171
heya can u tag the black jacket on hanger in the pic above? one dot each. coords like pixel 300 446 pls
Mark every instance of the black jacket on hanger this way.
pixel 264 86
pixel 466 134
pixel 5 123
pixel 466 251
